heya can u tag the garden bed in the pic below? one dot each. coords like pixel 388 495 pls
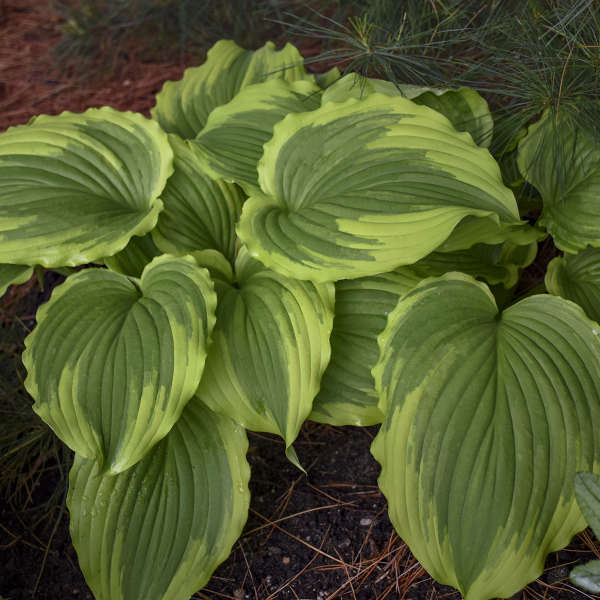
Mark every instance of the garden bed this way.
pixel 320 536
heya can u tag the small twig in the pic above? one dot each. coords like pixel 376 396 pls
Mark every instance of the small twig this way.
pixel 314 487
pixel 204 597
pixel 248 571
pixel 292 579
pixel 15 539
pixel 349 582
pixel 47 551
pixel 298 514
pixel 294 537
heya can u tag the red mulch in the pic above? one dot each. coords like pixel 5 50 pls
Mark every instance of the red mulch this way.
pixel 32 83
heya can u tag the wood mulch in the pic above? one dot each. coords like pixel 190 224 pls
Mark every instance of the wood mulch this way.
pixel 31 83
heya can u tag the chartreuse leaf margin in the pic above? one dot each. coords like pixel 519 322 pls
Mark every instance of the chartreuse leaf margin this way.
pixel 232 141
pixel 361 187
pixel 347 395
pixel 158 530
pixel 270 348
pixel 200 212
pixel 464 107
pixel 13 274
pixel 134 257
pixel 183 107
pixel 113 360
pixel 489 416
pixel 74 188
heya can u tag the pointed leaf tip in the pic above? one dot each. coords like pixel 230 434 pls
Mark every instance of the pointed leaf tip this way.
pixel 270 348
pixel 489 417
pixel 158 530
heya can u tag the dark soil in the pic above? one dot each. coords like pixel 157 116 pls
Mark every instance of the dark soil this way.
pixel 320 536
pixel 316 537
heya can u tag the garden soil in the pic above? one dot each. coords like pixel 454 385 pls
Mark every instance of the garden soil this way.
pixel 323 535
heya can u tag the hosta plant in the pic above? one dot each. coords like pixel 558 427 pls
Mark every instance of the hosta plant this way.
pixel 275 246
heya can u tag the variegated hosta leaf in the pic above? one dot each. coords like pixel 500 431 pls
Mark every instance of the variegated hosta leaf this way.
pixel 587 576
pixel 362 187
pixel 587 491
pixel 520 255
pixel 218 266
pixel 200 212
pixel 232 141
pixel 489 417
pixel 13 274
pixel 347 395
pixel 498 263
pixel 74 188
pixel 354 85
pixel 113 360
pixel 491 231
pixel 158 530
pixel 324 80
pixel 464 107
pixel 134 257
pixel 270 348
pixel 576 277
pixel 182 107
pixel 563 163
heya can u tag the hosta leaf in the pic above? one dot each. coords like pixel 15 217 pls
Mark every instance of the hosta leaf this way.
pixel 358 188
pixel 13 274
pixel 113 360
pixel 576 277
pixel 492 232
pixel 347 395
pixel 270 348
pixel 587 576
pixel 354 85
pixel 158 530
pixel 563 163
pixel 489 417
pixel 520 255
pixel 587 491
pixel 324 80
pixel 509 161
pixel 182 107
pixel 74 188
pixel 465 108
pixel 232 141
pixel 134 257
pixel 218 266
pixel 498 263
pixel 510 171
pixel 200 212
